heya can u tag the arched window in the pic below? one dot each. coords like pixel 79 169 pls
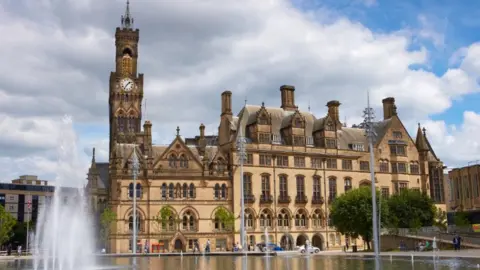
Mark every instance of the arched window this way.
pixel 172 161
pixel 283 219
pixel 300 187
pixel 332 189
pixel 130 223
pixel 130 190
pixel 183 161
pixel 265 186
pixel 301 218
pixel 171 191
pixel 316 188
pixel 185 190
pixel 188 221
pixel 192 191
pixel 317 218
pixel 164 191
pixel 138 190
pixel 171 223
pixel 216 192
pixel 348 184
pixel 224 191
pixel 249 221
pixel 247 184
pixel 265 219
pixel 126 64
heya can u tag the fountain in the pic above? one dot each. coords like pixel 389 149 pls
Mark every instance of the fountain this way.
pixel 64 238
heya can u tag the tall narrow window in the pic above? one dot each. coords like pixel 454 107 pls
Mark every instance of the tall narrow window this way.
pixel 247 184
pixel 171 191
pixel 332 188
pixel 191 191
pixel 283 186
pixel 164 191
pixel 130 190
pixel 300 186
pixel 138 190
pixel 316 187
pixel 348 184
pixel 224 191
pixel 265 186
pixel 216 191
pixel 185 190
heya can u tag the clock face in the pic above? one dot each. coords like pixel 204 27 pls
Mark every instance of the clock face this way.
pixel 127 84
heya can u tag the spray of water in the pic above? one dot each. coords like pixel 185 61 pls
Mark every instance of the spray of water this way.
pixel 64 238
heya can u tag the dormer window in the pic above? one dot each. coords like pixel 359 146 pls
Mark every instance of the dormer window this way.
pixel 298 123
pixel 330 127
pixel 262 120
pixel 357 147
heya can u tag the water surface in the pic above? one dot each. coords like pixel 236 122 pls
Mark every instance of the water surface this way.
pixel 268 263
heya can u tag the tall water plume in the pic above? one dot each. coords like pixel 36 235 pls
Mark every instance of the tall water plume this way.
pixel 64 238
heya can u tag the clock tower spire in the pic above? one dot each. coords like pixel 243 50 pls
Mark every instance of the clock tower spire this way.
pixel 126 85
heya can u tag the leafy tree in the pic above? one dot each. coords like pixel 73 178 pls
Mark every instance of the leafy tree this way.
pixel 411 209
pixel 441 219
pixel 225 217
pixel 351 213
pixel 461 219
pixel 164 216
pixel 7 221
pixel 107 218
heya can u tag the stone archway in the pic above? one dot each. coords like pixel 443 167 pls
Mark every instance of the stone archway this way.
pixel 301 240
pixel 317 241
pixel 287 242
pixel 178 245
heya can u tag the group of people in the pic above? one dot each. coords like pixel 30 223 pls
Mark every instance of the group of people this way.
pixel 196 246
pixel 457 242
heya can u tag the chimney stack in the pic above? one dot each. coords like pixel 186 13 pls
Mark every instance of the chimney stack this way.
pixel 288 97
pixel 389 108
pixel 202 142
pixel 333 110
pixel 226 103
pixel 202 130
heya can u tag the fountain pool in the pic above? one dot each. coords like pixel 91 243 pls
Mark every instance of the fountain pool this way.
pixel 294 262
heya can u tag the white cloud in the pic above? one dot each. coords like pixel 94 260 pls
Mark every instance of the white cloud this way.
pixel 60 62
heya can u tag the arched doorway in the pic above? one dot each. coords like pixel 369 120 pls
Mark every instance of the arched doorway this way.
pixel 178 245
pixel 286 242
pixel 317 241
pixel 301 240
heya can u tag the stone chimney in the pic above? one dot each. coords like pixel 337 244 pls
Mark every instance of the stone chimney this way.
pixel 226 103
pixel 389 108
pixel 288 97
pixel 147 131
pixel 333 110
pixel 202 142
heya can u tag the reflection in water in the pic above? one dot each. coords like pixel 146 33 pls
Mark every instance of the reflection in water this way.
pixel 294 262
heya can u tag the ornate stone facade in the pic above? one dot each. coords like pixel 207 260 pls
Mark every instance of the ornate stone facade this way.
pixel 297 164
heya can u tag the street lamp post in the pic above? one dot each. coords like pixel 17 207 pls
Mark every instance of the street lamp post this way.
pixel 242 155
pixel 368 122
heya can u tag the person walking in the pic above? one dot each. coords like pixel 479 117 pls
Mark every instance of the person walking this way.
pixel 207 247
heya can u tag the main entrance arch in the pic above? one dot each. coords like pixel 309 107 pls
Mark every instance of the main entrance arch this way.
pixel 287 242
pixel 317 241
pixel 178 245
pixel 301 240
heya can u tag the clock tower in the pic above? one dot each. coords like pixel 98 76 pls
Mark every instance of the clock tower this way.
pixel 126 85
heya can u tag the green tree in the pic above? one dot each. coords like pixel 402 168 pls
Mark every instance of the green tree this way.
pixel 440 220
pixel 164 216
pixel 411 209
pixel 351 213
pixel 225 217
pixel 107 218
pixel 7 221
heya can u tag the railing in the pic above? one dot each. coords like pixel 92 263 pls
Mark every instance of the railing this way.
pixel 266 198
pixel 302 199
pixel 284 199
pixel 318 200
pixel 249 198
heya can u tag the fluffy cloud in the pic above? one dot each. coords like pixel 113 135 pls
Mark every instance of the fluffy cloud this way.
pixel 60 53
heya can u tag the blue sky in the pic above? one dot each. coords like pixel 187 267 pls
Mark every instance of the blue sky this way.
pixel 455 21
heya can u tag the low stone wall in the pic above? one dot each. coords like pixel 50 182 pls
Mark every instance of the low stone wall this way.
pixel 392 242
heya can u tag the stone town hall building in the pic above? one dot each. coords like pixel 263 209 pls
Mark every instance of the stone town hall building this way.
pixel 297 164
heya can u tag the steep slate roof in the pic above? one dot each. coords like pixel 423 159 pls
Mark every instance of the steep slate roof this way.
pixel 102 169
pixel 281 118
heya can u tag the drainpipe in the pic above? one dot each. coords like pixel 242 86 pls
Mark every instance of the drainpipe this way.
pixel 274 157
pixel 325 199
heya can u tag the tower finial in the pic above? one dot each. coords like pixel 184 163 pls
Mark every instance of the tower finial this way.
pixel 93 155
pixel 127 19
pixel 178 131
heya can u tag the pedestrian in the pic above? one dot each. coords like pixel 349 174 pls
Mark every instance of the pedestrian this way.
pixel 459 242
pixel 207 247
pixel 346 244
pixel 455 243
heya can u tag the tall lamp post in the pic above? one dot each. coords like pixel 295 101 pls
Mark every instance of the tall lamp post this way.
pixel 368 123
pixel 135 168
pixel 242 155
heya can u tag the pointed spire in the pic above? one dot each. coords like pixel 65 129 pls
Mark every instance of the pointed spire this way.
pixel 127 19
pixel 420 141
pixel 93 159
pixel 178 131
